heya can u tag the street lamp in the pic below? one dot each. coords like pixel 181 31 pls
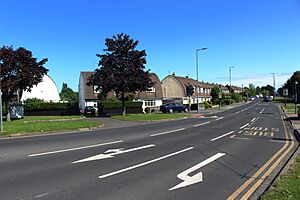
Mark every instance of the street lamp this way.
pixel 198 87
pixel 1 119
pixel 274 84
pixel 230 78
pixel 296 96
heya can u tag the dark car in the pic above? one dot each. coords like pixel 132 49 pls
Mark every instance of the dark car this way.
pixel 267 99
pixel 173 107
pixel 89 111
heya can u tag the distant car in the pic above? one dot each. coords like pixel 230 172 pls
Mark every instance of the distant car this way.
pixel 267 99
pixel 252 98
pixel 173 107
pixel 89 111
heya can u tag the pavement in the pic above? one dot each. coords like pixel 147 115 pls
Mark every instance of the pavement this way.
pixel 227 155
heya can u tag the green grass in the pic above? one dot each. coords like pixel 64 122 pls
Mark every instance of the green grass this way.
pixel 37 118
pixel 288 186
pixel 290 108
pixel 23 127
pixel 149 117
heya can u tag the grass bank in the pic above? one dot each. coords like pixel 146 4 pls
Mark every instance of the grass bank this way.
pixel 149 117
pixel 288 186
pixel 46 124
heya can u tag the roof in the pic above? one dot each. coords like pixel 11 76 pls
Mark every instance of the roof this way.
pixel 89 90
pixel 189 81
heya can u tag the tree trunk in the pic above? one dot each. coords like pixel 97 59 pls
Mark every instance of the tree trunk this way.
pixel 123 104
pixel 7 112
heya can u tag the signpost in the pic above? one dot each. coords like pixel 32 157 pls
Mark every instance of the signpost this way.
pixel 285 93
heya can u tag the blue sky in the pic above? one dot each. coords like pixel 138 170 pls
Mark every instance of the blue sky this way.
pixel 258 37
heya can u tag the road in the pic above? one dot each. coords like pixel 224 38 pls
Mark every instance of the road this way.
pixel 224 156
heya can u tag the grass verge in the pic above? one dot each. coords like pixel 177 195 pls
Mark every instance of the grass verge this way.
pixel 149 117
pixel 23 127
pixel 38 118
pixel 287 187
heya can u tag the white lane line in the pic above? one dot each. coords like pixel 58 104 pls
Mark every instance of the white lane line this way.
pixel 73 149
pixel 262 110
pixel 244 126
pixel 253 119
pixel 221 136
pixel 145 163
pixel 219 118
pixel 201 124
pixel 167 132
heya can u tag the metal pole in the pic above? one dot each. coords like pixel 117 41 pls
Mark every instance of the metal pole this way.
pixel 1 120
pixel 230 78
pixel 197 89
pixel 296 97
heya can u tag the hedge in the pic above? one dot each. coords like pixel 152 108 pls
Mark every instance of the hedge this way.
pixel 48 106
pixel 118 104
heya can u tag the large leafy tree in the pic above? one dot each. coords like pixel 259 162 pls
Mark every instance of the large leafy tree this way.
pixel 67 94
pixel 269 88
pixel 290 83
pixel 121 69
pixel 215 94
pixel 19 71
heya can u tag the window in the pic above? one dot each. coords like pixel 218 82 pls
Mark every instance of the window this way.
pixel 151 90
pixel 95 89
pixel 149 103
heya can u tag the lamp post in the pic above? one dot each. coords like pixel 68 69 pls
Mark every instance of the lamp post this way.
pixel 296 95
pixel 1 119
pixel 230 78
pixel 198 87
pixel 274 84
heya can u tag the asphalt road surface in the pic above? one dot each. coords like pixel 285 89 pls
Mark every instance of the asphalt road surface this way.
pixel 229 155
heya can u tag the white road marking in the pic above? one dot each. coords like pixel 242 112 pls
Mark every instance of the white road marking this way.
pixel 262 110
pixel 221 136
pixel 112 153
pixel 144 163
pixel 73 149
pixel 201 124
pixel 244 126
pixel 232 136
pixel 253 119
pixel 190 180
pixel 167 132
pixel 219 118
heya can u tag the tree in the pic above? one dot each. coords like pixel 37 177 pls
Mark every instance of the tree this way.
pixel 121 69
pixel 290 83
pixel 67 94
pixel 252 90
pixel 19 71
pixel 270 89
pixel 215 94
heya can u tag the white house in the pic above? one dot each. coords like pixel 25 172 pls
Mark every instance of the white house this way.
pixel 45 90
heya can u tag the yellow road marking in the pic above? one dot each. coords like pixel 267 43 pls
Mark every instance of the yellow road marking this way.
pixel 255 176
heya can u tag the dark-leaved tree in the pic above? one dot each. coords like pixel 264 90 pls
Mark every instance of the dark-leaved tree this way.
pixel 19 71
pixel 121 69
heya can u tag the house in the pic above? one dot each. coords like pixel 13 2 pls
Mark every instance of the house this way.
pixel 88 96
pixel 45 90
pixel 174 88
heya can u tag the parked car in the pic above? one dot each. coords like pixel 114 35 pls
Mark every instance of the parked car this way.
pixel 173 107
pixel 89 111
pixel 267 99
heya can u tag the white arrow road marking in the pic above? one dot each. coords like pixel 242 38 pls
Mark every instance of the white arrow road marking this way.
pixel 145 163
pixel 73 149
pixel 190 180
pixel 201 124
pixel 221 136
pixel 112 153
pixel 167 132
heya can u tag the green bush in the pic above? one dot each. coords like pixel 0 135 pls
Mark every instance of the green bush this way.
pixel 237 97
pixel 34 106
pixel 207 104
pixel 228 101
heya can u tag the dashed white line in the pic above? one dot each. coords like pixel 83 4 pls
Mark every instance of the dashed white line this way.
pixel 144 163
pixel 244 126
pixel 253 119
pixel 167 132
pixel 262 110
pixel 219 118
pixel 221 136
pixel 201 124
pixel 73 149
